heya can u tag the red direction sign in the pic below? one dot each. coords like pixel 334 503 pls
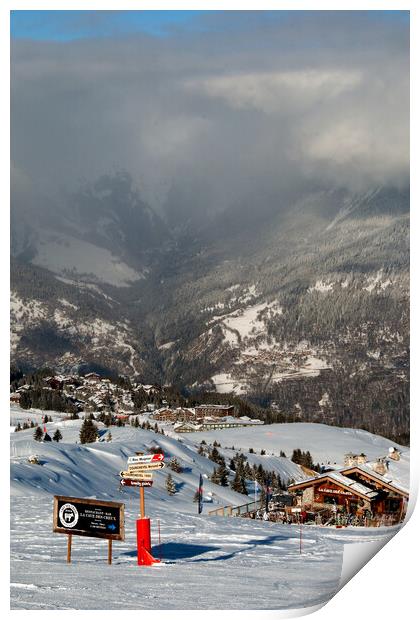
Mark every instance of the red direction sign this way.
pixel 145 458
pixel 129 482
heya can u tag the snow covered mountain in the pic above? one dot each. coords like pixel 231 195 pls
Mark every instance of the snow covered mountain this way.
pixel 312 289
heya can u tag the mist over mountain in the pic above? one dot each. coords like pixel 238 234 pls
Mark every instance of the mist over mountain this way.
pixel 222 207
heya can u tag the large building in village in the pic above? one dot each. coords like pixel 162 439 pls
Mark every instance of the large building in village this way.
pixel 356 489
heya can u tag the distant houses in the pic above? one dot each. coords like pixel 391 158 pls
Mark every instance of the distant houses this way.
pixel 214 411
pixel 92 393
pixel 209 423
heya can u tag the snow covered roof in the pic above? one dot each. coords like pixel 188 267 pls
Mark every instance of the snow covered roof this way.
pixel 336 476
pixel 367 468
pixel 355 486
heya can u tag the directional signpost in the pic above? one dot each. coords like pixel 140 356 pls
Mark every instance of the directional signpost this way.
pixel 132 482
pixel 142 475
pixel 145 458
pixel 139 473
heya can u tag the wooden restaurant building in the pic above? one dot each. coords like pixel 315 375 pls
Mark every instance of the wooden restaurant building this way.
pixel 354 490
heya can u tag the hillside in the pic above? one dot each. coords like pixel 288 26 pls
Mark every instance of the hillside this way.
pixel 226 554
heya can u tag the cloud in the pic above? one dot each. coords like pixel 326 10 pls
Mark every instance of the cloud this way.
pixel 218 113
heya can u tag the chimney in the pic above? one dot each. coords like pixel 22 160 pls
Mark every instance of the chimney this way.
pixel 380 466
pixel 394 454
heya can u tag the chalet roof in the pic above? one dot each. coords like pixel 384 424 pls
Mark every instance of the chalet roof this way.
pixel 193 427
pixel 344 481
pixel 215 406
pixel 384 480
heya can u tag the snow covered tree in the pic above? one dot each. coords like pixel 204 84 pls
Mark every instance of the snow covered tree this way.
pixel 38 434
pixel 175 465
pixel 215 477
pixel 170 485
pixel 57 435
pixel 220 475
pixel 18 427
pixel 238 484
pixel 88 432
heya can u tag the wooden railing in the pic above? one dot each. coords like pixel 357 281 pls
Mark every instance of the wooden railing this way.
pixel 235 511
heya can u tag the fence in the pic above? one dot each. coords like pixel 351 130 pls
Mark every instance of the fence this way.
pixel 234 511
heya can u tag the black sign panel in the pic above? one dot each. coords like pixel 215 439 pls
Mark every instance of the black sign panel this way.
pixel 88 517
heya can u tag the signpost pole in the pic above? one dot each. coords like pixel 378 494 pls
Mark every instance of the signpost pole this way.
pixel 109 550
pixel 69 548
pixel 141 503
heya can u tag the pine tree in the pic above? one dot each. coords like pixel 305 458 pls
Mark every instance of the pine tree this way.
pixel 175 465
pixel 170 485
pixel 223 475
pixel 38 434
pixel 238 484
pixel 57 435
pixel 215 476
pixel 88 432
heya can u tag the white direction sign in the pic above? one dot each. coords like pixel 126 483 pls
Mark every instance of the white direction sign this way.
pixel 145 458
pixel 138 475
pixel 145 466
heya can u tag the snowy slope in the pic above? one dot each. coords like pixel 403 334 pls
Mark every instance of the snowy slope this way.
pixel 327 444
pixel 92 470
pixel 209 562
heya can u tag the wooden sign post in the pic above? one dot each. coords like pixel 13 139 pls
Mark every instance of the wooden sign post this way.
pixel 88 517
pixel 139 473
pixel 68 548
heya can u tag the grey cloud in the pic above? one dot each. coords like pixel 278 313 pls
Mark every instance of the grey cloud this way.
pixel 250 103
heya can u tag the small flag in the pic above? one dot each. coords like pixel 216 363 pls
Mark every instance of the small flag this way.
pixel 200 495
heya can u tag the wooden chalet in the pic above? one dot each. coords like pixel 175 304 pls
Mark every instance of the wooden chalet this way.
pixel 93 377
pixel 214 411
pixel 164 415
pixel 15 397
pixel 353 490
